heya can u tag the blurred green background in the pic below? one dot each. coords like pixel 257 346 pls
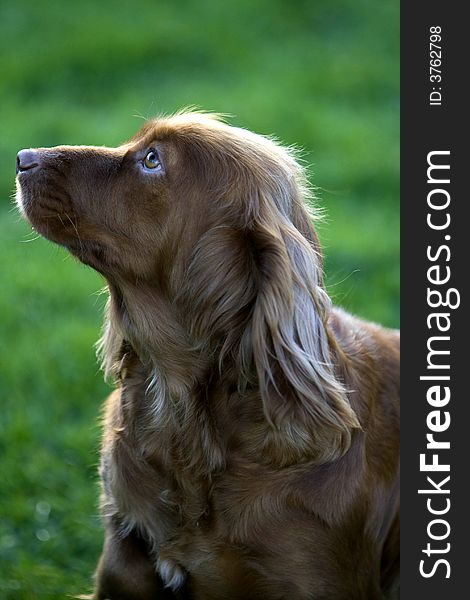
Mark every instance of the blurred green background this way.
pixel 322 74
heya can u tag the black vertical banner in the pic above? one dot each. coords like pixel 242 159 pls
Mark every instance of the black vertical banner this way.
pixel 435 166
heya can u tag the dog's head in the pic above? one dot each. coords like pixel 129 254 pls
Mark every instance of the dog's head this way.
pixel 215 218
pixel 124 210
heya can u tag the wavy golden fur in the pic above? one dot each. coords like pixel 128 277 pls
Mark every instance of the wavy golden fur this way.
pixel 250 450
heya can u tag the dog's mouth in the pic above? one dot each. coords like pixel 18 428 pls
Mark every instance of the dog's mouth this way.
pixel 42 198
pixel 48 207
pixel 47 212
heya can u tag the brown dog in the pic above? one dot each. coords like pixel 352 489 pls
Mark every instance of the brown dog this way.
pixel 250 450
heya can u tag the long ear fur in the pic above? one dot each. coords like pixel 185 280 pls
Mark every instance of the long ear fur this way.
pixel 292 351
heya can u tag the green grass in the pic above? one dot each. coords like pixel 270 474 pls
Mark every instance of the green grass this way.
pixel 321 74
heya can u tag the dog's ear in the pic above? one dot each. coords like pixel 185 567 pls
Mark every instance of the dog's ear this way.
pixel 292 348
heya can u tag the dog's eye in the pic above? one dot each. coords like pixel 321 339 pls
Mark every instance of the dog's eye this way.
pixel 151 160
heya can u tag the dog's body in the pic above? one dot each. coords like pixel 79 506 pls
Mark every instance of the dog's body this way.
pixel 241 527
pixel 251 448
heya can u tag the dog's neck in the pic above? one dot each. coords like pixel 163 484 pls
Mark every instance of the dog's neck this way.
pixel 152 326
pixel 171 374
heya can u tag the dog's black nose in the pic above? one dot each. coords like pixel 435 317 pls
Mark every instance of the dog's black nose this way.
pixel 26 159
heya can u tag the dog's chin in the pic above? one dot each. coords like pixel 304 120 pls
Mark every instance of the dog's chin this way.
pixel 54 226
pixel 65 230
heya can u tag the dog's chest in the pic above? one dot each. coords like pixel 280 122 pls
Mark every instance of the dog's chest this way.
pixel 148 480
pixel 201 523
